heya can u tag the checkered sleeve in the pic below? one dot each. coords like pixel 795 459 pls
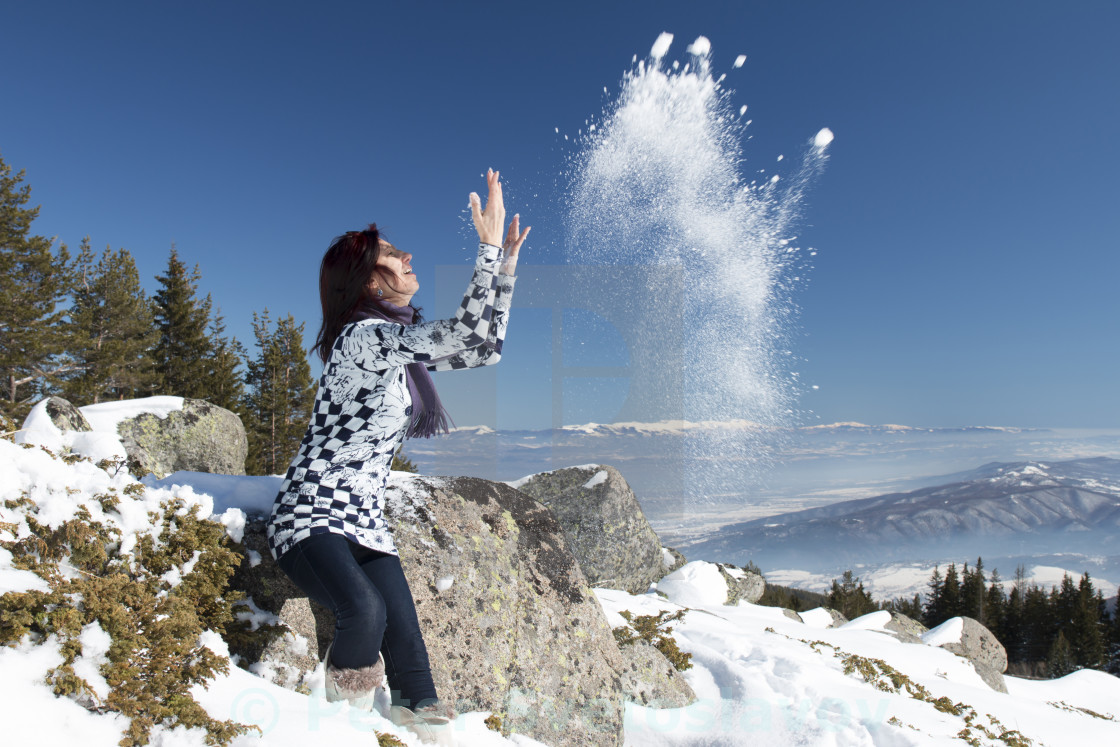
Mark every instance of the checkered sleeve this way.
pixel 489 352
pixel 374 346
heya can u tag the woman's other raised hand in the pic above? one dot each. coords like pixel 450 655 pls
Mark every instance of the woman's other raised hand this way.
pixel 514 239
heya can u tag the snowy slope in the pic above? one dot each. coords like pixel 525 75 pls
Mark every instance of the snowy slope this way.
pixel 765 679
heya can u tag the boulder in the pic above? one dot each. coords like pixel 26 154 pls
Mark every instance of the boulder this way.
pixel 970 639
pixel 650 679
pixel 510 622
pixel 199 438
pixel 906 629
pixel 671 560
pixel 742 585
pixel 65 416
pixel 604 525
pixel 792 615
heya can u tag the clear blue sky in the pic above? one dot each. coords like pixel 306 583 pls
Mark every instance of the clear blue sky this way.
pixel 966 225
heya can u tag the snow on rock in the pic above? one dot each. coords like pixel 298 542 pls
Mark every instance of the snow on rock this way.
pixel 947 632
pixel 39 430
pixel 695 583
pixel 102 442
pixel 667 559
pixel 597 479
pixel 106 416
pixel 516 484
pixel 817 618
pixel 872 621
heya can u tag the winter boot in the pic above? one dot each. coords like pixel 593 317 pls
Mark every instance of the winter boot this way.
pixel 426 723
pixel 358 687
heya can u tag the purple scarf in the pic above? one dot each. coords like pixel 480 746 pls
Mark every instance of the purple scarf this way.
pixel 428 415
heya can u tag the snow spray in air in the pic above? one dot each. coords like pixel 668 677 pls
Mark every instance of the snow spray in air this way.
pixel 660 181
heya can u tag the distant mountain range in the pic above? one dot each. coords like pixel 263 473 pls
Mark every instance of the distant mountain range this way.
pixel 1018 508
pixel 693 475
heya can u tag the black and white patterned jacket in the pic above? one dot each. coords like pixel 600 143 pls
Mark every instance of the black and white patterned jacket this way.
pixel 336 483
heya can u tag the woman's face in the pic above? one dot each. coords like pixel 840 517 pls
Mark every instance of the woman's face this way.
pixel 394 276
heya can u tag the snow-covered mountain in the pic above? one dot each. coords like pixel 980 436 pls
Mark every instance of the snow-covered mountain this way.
pixel 997 509
pixel 695 477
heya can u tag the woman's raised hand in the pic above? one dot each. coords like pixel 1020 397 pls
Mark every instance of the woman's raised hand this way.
pixel 489 222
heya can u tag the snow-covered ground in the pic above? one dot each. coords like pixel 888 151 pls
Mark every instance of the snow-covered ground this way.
pixel 761 677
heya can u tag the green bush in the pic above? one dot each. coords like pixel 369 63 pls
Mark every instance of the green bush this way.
pixel 154 624
pixel 654 629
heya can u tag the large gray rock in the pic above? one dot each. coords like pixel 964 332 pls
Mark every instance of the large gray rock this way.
pixel 510 622
pixel 650 679
pixel 983 649
pixel 65 416
pixel 604 525
pixel 199 438
pixel 742 585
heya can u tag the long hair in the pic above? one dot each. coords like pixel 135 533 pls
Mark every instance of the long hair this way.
pixel 344 275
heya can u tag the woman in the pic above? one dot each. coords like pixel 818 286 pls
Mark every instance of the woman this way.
pixel 327 530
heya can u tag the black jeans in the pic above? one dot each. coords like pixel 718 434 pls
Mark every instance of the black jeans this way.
pixel 373 610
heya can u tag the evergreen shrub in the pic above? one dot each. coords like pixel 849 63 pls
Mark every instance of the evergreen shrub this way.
pixel 155 601
pixel 654 629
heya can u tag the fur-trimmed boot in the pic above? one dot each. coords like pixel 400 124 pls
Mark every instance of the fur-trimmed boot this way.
pixel 428 723
pixel 358 687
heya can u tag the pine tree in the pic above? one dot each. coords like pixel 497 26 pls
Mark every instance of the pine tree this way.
pixel 1087 634
pixel 401 463
pixel 934 613
pixel 1012 628
pixel 951 593
pixel 1113 666
pixel 281 393
pixel 972 592
pixel 112 329
pixel 33 281
pixel 183 352
pixel 995 606
pixel 849 597
pixel 1039 627
pixel 225 378
pixel 1060 659
pixel 912 607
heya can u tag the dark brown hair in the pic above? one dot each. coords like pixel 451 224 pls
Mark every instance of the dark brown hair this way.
pixel 344 276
